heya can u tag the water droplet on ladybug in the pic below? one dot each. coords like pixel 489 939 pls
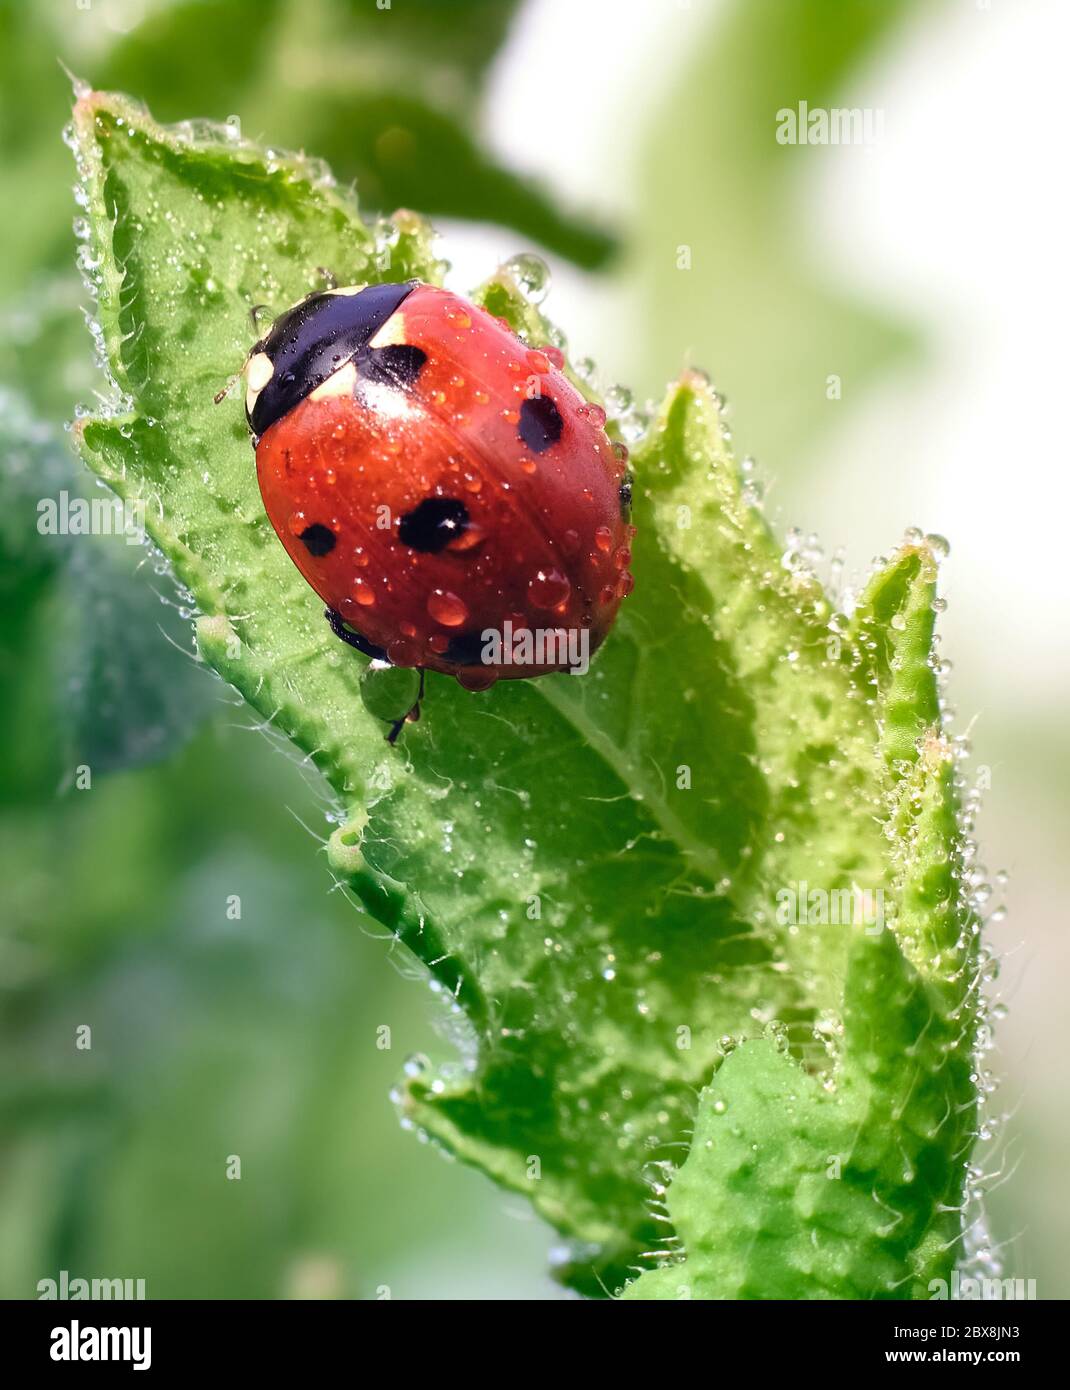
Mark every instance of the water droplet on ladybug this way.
pixel 595 414
pixel 603 539
pixel 403 653
pixel 471 538
pixel 549 589
pixel 556 356
pixel 476 678
pixel 457 316
pixel 446 608
pixel 363 592
pixel 537 360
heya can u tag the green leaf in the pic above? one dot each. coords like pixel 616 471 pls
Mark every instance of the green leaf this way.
pixel 851 1182
pixel 588 868
pixel 850 1185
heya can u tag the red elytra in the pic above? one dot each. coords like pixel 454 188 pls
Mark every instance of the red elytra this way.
pixel 436 481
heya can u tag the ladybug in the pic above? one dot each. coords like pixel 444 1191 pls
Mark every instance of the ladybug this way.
pixel 443 487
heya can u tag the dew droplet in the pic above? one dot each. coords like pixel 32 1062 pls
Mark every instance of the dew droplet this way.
pixel 548 589
pixel 476 678
pixel 446 608
pixel 531 275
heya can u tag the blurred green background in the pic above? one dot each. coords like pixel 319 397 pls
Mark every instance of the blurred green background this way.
pixel 633 145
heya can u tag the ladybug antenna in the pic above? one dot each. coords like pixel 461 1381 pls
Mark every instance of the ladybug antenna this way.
pixel 330 280
pixel 255 310
pixel 221 396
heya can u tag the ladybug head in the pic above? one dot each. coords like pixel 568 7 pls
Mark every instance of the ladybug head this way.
pixel 309 343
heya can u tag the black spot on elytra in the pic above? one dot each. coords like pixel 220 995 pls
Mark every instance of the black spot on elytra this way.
pixel 433 524
pixel 625 495
pixel 540 423
pixel 318 539
pixel 466 649
pixel 397 365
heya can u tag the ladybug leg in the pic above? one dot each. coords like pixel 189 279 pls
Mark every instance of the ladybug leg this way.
pixel 354 639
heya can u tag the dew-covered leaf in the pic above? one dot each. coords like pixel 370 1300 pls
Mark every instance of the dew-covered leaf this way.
pixel 588 868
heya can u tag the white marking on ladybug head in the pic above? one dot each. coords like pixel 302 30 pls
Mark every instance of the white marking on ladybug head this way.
pixel 258 372
pixel 339 383
pixel 346 289
pixel 392 333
